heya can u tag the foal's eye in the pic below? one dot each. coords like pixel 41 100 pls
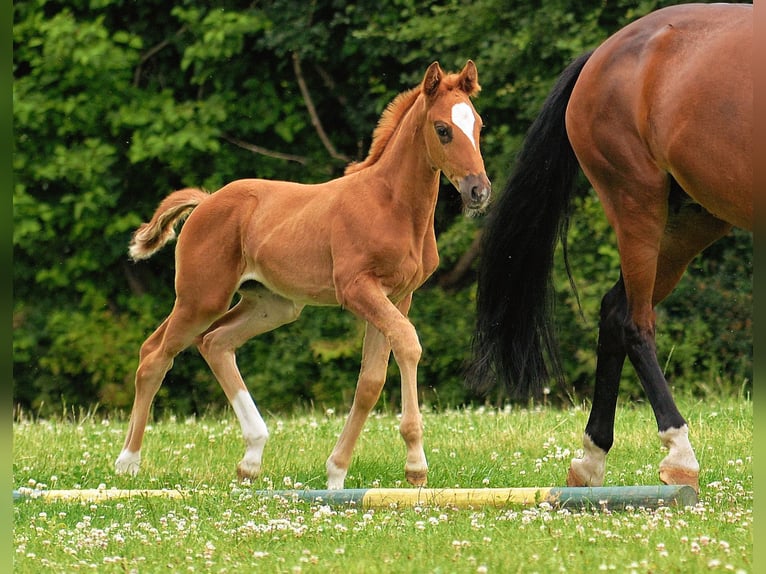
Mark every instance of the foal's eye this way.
pixel 444 132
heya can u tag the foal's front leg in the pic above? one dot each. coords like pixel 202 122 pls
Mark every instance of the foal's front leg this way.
pixel 372 376
pixel 365 298
pixel 411 425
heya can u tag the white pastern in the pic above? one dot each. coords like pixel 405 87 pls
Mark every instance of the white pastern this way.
pixel 254 431
pixel 336 476
pixel 128 462
pixel 462 117
pixel 592 466
pixel 681 453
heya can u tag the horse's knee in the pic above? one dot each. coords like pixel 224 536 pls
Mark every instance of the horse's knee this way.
pixel 151 370
pixel 406 346
pixel 149 347
pixel 411 429
pixel 208 346
pixel 613 316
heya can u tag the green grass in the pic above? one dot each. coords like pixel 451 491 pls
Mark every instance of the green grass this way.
pixel 220 529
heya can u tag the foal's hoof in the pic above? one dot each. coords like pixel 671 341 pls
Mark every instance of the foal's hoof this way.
pixel 128 463
pixel 676 475
pixel 247 471
pixel 416 478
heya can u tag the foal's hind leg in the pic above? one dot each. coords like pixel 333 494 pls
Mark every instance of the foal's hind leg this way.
pixel 372 377
pixel 149 377
pixel 258 311
pixel 155 359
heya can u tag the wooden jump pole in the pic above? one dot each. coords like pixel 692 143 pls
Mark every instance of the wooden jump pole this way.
pixel 607 497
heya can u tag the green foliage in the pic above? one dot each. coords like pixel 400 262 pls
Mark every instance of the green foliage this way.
pixel 116 103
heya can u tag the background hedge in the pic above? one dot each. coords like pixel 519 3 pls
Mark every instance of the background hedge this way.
pixel 117 102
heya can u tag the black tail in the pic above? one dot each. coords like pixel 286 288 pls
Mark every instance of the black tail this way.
pixel 514 333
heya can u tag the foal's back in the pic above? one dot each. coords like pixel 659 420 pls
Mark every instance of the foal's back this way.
pixel 273 232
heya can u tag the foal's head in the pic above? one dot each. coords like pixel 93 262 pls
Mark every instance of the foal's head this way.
pixel 452 132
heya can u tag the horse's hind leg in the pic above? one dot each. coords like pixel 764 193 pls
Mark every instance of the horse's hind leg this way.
pixel 690 229
pixel 656 246
pixel 149 375
pixel 372 376
pixel 155 360
pixel 258 311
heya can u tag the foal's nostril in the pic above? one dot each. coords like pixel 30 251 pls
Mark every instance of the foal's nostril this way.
pixel 479 193
pixel 475 190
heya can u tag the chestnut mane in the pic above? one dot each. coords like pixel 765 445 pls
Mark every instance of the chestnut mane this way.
pixel 389 120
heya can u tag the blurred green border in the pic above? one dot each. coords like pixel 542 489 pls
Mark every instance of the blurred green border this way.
pixel 6 263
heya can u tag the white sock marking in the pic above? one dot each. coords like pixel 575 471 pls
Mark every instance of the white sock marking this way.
pixel 592 466
pixel 462 117
pixel 254 429
pixel 128 462
pixel 681 453
pixel 336 476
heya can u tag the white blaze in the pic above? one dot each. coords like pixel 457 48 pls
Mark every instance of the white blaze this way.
pixel 462 117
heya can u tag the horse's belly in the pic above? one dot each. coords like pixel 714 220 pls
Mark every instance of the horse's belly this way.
pixel 300 289
pixel 300 274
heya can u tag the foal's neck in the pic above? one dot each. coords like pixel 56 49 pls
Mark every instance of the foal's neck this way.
pixel 413 180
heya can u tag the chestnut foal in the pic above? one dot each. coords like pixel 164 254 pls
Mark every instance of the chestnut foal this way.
pixel 364 241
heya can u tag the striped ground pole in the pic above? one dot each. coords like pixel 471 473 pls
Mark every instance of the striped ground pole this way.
pixel 606 497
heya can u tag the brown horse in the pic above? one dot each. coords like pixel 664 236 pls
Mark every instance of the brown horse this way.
pixel 364 241
pixel 659 118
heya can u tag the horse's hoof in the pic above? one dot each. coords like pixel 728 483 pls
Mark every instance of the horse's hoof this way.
pixel 128 463
pixel 676 475
pixel 416 478
pixel 574 479
pixel 247 471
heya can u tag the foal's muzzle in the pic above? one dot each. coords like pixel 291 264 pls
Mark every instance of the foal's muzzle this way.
pixel 475 190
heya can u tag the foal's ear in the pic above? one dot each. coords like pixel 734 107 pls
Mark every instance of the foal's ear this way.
pixel 432 79
pixel 469 79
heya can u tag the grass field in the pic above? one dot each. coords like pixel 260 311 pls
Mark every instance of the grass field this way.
pixel 222 527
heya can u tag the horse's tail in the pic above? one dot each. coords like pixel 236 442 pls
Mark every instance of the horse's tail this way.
pixel 514 333
pixel 151 236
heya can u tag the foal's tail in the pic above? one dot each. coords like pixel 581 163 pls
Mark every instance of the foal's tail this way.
pixel 150 237
pixel 514 333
